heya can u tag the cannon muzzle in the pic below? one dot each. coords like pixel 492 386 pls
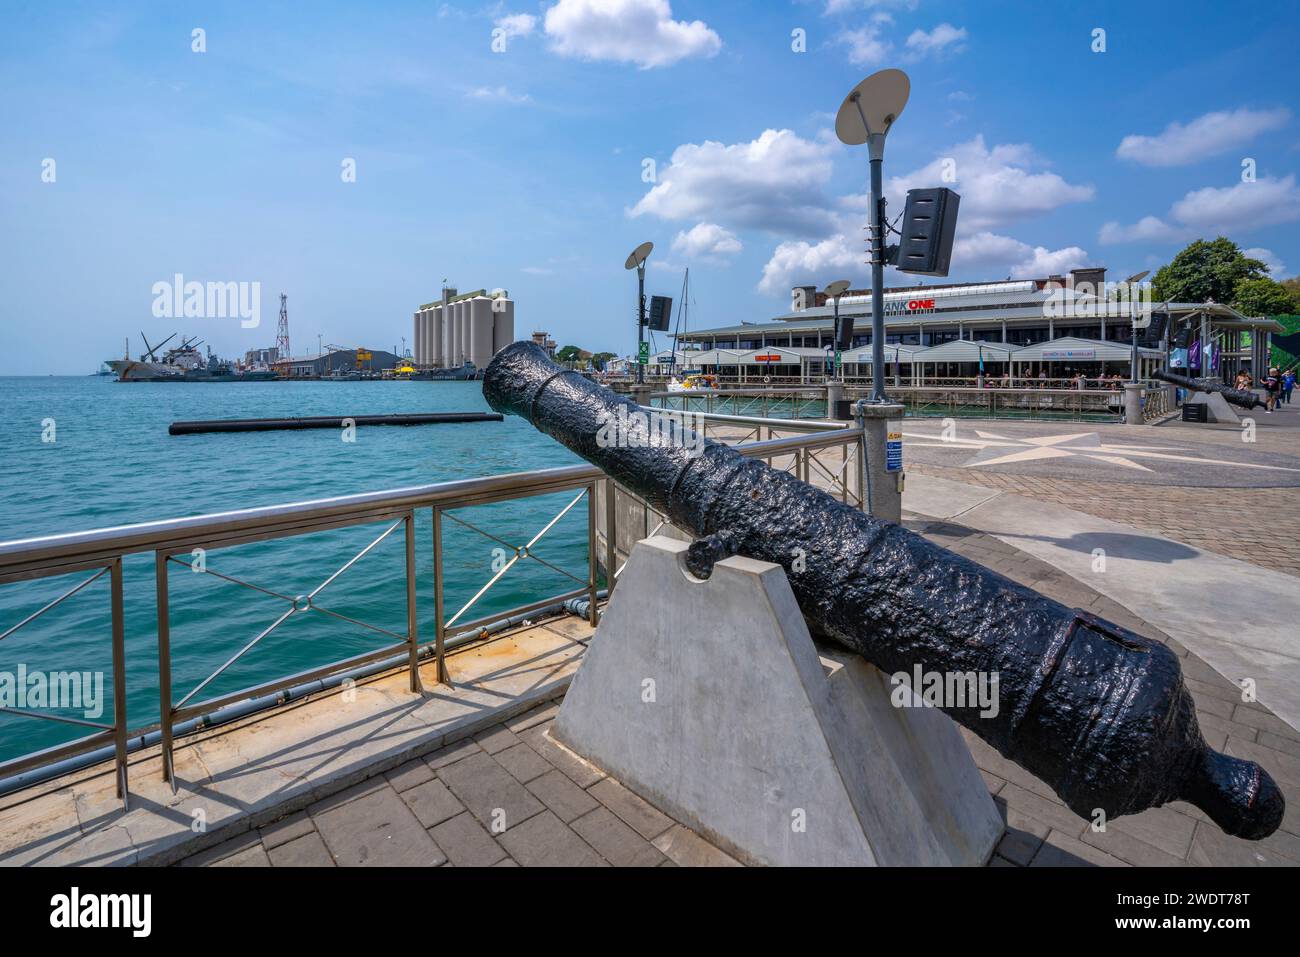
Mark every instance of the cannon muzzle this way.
pixel 1238 397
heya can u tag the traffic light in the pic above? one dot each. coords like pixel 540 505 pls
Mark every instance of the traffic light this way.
pixel 661 311
pixel 929 223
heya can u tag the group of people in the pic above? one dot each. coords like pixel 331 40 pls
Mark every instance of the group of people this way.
pixel 1277 385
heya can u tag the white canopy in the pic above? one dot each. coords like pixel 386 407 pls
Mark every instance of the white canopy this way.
pixel 1071 349
pixel 968 350
pixel 894 352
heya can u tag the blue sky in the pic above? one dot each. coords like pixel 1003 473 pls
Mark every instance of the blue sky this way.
pixel 525 168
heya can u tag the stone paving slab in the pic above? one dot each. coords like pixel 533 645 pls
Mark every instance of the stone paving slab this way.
pixel 550 823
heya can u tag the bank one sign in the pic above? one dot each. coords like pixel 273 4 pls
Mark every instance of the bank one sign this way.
pixel 909 307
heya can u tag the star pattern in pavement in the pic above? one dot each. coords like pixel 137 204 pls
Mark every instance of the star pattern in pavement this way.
pixel 993 449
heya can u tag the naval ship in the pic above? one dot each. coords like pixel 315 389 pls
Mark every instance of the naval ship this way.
pixel 183 363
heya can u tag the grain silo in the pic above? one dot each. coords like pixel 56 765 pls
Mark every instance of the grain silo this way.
pixel 433 337
pixel 462 323
pixel 503 323
pixel 480 331
pixel 419 337
pixel 445 324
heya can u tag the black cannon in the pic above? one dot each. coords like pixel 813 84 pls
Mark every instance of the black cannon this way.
pixel 1097 711
pixel 1238 397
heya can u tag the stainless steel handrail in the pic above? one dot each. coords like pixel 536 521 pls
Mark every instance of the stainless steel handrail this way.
pixel 105 548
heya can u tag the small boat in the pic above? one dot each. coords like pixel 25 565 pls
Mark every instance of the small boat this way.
pixel 693 383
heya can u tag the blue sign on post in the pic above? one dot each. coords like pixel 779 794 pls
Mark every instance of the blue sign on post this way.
pixel 894 451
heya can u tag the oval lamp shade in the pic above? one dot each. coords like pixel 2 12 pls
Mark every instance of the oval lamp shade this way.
pixel 638 255
pixel 882 97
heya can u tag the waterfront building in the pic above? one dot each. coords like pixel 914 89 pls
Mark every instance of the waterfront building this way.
pixel 336 362
pixel 1057 326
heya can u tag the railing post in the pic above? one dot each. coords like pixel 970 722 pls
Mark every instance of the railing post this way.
pixel 119 680
pixel 440 638
pixel 412 634
pixel 861 465
pixel 611 534
pixel 591 552
pixel 164 668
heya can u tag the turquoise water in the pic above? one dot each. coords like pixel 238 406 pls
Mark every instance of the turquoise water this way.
pixel 113 463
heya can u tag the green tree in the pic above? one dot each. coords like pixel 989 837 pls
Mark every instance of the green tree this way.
pixel 1206 270
pixel 1292 286
pixel 568 354
pixel 600 358
pixel 1262 297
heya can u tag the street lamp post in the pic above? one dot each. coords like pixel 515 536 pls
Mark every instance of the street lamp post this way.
pixel 1129 283
pixel 636 260
pixel 866 116
pixel 843 337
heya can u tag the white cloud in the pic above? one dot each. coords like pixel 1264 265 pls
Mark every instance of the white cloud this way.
pixel 1217 210
pixel 499 93
pixel 1262 203
pixel 1208 135
pixel 706 241
pixel 517 24
pixel 537 270
pixel 1020 260
pixel 997 186
pixel 866 47
pixel 814 263
pixel 1151 229
pixel 937 41
pixel 773 183
pixel 834 7
pixel 627 31
pixel 1276 268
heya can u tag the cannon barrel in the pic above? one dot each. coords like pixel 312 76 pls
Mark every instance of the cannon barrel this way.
pixel 1239 397
pixel 1097 711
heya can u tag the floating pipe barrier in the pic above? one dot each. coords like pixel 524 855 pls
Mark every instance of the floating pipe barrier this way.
pixel 327 422
pixel 1098 712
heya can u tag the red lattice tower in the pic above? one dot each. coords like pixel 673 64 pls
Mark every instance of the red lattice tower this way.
pixel 282 333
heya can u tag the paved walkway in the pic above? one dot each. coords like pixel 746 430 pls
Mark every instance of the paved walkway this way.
pixel 1196 484
pixel 508 796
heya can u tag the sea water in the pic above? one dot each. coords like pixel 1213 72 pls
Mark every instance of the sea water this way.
pixel 81 453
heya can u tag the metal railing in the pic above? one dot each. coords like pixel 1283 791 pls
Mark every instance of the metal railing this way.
pixel 1155 402
pixel 802 403
pixel 805 453
pixel 1044 404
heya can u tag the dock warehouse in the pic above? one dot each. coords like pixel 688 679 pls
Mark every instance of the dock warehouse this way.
pixel 949 331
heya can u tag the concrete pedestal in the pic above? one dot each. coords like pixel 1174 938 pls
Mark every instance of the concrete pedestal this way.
pixel 884 488
pixel 1219 410
pixel 710 700
pixel 1133 403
